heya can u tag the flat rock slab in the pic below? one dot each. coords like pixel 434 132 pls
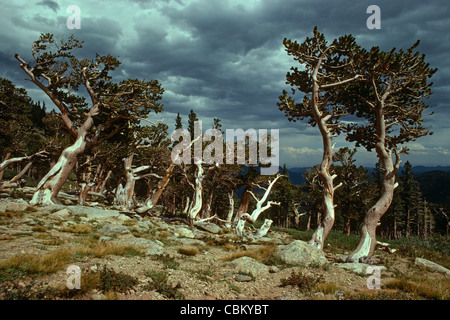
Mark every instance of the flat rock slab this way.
pixel 17 232
pixel 112 229
pixel 95 213
pixel 242 278
pixel 185 233
pixel 191 242
pixel 62 214
pixel 208 226
pixel 359 268
pixel 13 206
pixel 431 265
pixel 151 247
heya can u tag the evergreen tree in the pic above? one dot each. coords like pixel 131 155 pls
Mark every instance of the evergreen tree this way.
pixel 393 221
pixel 312 197
pixel 178 123
pixel 37 114
pixel 285 171
pixel 409 195
pixel 217 125
pixel 191 120
pixel 323 73
pixel 390 99
pixel 283 192
pixel 354 195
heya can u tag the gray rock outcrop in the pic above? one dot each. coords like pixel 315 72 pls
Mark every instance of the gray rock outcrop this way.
pixel 431 265
pixel 251 266
pixel 301 253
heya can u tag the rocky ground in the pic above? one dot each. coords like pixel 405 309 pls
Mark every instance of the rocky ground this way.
pixel 124 256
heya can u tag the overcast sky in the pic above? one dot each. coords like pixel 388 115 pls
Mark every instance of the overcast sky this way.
pixel 225 59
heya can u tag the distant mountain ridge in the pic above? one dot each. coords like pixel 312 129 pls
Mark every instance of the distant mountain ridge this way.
pixel 434 181
pixel 296 173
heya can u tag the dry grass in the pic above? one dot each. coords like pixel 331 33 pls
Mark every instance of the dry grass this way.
pixel 56 260
pixel 305 282
pixel 100 250
pixel 103 279
pixel 383 294
pixel 82 228
pixel 420 286
pixel 10 214
pixel 328 287
pixel 230 247
pixel 188 251
pixel 129 223
pixel 31 209
pixel 42 235
pixel 45 263
pixel 164 234
pixel 39 229
pixel 54 242
pixel 7 237
pixel 264 254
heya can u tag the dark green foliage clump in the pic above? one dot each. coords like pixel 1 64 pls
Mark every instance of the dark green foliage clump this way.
pixel 15 290
pixel 16 285
pixel 168 261
pixel 304 282
pixel 110 280
pixel 159 282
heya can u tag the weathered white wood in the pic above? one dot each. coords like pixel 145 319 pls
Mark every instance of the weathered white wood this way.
pixel 48 188
pixel 197 200
pixel 8 161
pixel 230 209
pixel 198 193
pixel 264 228
pixel 363 252
pixel 188 205
pixel 386 246
pixel 258 210
pixel 124 196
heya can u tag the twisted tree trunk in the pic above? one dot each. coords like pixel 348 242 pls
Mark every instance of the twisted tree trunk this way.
pixel 154 198
pixel 51 184
pixel 209 200
pixel 368 241
pixel 125 194
pixel 243 205
pixel 230 209
pixel 321 233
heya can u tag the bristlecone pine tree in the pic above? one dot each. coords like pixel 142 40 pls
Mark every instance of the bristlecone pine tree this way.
pixel 327 68
pixel 110 108
pixel 390 101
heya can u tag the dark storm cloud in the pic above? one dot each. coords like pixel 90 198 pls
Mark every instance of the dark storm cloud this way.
pixel 49 4
pixel 225 59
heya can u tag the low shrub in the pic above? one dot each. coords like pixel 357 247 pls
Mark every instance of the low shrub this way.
pixel 305 282
pixel 159 282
